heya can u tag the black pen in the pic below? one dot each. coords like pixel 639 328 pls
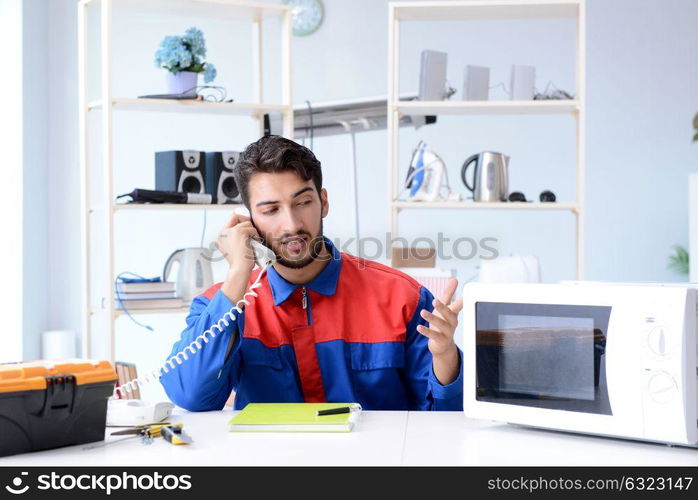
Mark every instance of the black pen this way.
pixel 334 411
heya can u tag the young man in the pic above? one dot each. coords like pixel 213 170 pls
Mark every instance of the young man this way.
pixel 326 326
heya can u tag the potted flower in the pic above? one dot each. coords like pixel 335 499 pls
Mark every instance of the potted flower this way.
pixel 183 58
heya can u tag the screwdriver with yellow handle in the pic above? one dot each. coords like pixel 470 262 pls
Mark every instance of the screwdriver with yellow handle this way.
pixel 172 433
pixel 144 430
pixel 175 434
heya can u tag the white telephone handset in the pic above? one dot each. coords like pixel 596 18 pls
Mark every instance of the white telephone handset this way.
pixel 264 255
pixel 265 258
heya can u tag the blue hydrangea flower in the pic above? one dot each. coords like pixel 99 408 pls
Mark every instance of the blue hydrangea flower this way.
pixel 209 73
pixel 173 54
pixel 185 53
pixel 194 37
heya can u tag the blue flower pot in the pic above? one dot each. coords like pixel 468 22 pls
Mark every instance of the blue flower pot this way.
pixel 184 82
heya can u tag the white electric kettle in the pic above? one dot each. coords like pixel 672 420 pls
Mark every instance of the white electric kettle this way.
pixel 195 272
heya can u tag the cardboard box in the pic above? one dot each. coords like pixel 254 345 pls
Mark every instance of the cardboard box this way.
pixel 413 257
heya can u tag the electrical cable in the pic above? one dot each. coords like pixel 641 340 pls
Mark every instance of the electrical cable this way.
pixel 203 231
pixel 312 126
pixel 120 301
pixel 557 93
pixel 355 191
pixel 448 92
pixel 219 93
pixel 504 88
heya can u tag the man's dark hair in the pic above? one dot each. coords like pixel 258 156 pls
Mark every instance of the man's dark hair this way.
pixel 273 153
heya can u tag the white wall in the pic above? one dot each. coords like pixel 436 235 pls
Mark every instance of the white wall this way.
pixel 11 147
pixel 63 168
pixel 37 170
pixel 641 93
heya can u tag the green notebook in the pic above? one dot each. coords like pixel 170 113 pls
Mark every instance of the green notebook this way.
pixel 293 417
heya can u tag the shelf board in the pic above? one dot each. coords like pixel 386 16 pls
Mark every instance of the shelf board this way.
pixel 543 107
pixel 239 10
pixel 131 207
pixel 170 310
pixel 487 9
pixel 191 106
pixel 136 312
pixel 471 205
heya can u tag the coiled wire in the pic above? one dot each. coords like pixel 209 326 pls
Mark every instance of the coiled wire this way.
pixel 196 344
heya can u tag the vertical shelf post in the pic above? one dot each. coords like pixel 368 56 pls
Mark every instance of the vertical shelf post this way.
pixel 107 168
pixel 286 84
pixel 581 136
pixel 258 70
pixel 393 120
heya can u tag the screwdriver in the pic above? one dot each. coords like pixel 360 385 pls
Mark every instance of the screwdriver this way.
pixel 175 435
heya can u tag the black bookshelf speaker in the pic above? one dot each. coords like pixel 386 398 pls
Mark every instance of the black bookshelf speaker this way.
pixel 219 177
pixel 182 171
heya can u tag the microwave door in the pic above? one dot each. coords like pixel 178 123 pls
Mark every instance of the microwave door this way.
pixel 543 356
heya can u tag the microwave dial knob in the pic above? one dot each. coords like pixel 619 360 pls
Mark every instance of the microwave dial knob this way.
pixel 658 339
pixel 661 387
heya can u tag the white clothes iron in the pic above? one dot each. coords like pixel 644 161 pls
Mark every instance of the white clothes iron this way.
pixel 425 176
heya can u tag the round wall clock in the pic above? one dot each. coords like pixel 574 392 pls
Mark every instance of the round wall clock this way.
pixel 307 15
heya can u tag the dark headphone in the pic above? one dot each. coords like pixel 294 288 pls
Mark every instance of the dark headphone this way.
pixel 517 196
pixel 545 197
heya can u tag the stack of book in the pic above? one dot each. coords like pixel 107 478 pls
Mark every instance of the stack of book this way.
pixel 126 372
pixel 134 295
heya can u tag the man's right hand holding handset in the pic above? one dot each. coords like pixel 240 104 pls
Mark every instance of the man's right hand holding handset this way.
pixel 234 243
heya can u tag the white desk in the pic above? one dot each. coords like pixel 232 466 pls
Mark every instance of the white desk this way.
pixel 380 438
pixel 451 439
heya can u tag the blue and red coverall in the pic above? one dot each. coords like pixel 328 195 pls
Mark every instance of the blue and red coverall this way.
pixel 355 341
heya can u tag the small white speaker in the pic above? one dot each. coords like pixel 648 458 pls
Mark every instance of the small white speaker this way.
pixel 432 76
pixel 523 80
pixel 476 85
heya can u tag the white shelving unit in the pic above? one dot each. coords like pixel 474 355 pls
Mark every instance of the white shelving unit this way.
pixel 134 207
pixel 172 310
pixel 203 107
pixel 488 107
pixel 487 9
pixel 106 215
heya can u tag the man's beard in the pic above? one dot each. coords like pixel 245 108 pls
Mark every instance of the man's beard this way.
pixel 315 245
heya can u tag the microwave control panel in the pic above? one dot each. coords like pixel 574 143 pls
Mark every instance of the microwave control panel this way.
pixel 665 377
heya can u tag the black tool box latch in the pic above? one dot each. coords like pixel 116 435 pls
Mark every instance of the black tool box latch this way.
pixel 59 396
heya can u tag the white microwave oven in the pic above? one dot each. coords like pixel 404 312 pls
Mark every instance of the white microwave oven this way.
pixel 616 360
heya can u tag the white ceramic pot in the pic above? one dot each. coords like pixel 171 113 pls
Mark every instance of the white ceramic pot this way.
pixel 184 82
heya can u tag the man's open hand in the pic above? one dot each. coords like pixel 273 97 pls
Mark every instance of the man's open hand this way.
pixel 443 322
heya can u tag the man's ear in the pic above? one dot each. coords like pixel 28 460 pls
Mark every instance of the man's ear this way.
pixel 324 202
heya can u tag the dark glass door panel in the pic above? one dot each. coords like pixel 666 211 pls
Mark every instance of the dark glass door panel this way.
pixel 545 356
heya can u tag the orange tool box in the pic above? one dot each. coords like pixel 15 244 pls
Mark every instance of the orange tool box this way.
pixel 48 404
